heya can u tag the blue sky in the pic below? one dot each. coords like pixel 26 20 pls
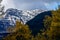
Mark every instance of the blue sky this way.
pixel 31 4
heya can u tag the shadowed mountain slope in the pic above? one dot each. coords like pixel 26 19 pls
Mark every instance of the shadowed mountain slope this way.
pixel 37 22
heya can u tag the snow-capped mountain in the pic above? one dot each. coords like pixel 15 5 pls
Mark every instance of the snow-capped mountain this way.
pixel 23 16
pixel 10 17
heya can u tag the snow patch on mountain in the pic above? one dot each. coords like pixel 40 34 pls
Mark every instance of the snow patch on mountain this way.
pixel 11 15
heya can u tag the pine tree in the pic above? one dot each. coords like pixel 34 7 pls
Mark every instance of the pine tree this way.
pixel 0 1
pixel 1 10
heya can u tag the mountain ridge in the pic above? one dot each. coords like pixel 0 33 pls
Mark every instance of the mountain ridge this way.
pixel 12 15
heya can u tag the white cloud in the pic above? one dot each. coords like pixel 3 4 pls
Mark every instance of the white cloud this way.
pixel 24 5
pixel 52 6
pixel 29 4
pixel 8 4
pixel 46 4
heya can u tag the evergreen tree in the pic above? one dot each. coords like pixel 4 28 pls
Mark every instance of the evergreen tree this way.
pixel 1 10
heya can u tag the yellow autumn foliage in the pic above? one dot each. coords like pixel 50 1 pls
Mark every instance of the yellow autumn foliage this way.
pixel 53 31
pixel 20 32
